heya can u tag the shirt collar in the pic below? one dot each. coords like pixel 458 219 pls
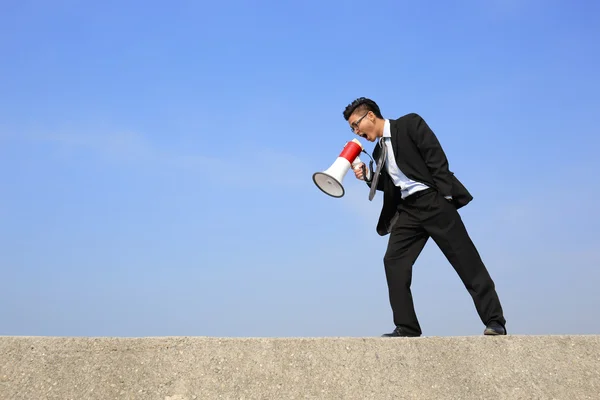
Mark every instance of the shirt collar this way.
pixel 386 131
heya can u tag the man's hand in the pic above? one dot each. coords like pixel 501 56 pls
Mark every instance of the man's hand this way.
pixel 358 171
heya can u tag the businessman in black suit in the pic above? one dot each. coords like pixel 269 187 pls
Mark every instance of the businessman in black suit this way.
pixel 421 197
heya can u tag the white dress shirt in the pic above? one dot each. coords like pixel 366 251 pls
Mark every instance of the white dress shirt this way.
pixel 407 186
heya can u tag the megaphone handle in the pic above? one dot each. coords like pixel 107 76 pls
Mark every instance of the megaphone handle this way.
pixel 370 167
pixel 364 170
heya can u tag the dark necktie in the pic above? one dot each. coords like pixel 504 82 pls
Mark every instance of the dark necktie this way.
pixel 380 163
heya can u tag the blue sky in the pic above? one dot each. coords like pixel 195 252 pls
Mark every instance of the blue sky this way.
pixel 156 164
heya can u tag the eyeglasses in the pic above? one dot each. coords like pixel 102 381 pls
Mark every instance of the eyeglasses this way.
pixel 355 124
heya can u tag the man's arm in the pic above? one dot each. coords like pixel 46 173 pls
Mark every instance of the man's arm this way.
pixel 369 179
pixel 432 153
pixel 379 184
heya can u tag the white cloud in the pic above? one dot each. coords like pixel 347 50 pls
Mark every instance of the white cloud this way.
pixel 125 145
pixel 245 166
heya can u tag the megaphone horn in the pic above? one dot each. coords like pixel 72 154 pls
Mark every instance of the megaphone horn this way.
pixel 330 180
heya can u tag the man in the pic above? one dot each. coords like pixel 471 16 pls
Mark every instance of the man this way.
pixel 421 197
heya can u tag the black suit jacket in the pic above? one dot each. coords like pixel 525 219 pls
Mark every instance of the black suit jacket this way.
pixel 420 157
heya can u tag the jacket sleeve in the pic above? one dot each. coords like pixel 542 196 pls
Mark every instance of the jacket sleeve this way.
pixel 379 184
pixel 371 173
pixel 432 152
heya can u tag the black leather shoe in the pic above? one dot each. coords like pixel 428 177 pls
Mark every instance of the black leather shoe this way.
pixel 494 328
pixel 398 332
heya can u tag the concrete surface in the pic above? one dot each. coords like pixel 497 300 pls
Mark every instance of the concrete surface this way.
pixel 186 368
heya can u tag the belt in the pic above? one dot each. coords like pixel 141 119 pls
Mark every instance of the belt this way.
pixel 418 194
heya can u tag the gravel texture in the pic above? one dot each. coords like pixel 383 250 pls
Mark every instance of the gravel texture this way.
pixel 187 368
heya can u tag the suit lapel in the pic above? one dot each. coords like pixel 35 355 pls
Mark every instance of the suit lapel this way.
pixel 394 134
pixel 376 151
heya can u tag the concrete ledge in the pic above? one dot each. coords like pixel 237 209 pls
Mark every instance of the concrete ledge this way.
pixel 185 368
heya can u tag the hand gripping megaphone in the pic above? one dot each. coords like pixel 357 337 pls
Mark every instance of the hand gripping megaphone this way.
pixel 330 180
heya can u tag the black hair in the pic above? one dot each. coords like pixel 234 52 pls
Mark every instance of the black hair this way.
pixel 362 104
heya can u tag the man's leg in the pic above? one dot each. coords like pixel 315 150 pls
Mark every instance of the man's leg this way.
pixel 444 224
pixel 406 242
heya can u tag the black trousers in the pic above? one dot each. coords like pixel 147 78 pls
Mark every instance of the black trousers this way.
pixel 423 215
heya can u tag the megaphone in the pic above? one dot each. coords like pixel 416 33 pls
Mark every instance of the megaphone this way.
pixel 330 180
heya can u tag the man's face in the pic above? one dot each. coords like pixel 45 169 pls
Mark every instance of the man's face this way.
pixel 362 123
